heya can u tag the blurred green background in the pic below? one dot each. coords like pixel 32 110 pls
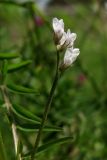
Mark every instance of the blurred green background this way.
pixel 80 102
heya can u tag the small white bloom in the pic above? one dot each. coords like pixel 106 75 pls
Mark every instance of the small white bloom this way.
pixel 67 40
pixel 58 27
pixel 70 56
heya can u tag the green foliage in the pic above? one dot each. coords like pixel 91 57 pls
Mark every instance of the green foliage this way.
pixel 24 114
pixel 79 106
pixel 29 127
pixel 8 55
pixel 51 144
pixel 20 89
pixel 17 66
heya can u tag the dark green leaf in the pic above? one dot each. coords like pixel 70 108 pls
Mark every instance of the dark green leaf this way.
pixel 8 55
pixel 51 144
pixel 17 66
pixel 23 113
pixel 54 142
pixel 28 127
pixel 20 89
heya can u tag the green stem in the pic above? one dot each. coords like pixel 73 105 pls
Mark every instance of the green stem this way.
pixel 47 108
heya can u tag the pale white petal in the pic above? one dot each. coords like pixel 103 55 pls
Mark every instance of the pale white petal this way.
pixel 68 32
pixel 55 23
pixel 67 55
pixel 63 39
pixel 58 25
pixel 73 36
pixel 70 56
pixel 70 38
pixel 61 23
pixel 67 39
pixel 75 53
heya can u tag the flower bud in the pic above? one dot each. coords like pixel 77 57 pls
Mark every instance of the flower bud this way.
pixel 58 27
pixel 67 40
pixel 69 57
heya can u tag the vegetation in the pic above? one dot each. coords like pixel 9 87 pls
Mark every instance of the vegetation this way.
pixel 76 126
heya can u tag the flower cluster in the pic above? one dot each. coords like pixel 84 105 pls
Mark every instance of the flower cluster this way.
pixel 63 41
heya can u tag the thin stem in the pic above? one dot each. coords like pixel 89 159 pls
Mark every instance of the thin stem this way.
pixel 13 125
pixel 47 108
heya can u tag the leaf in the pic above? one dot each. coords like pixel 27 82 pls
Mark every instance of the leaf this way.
pixel 53 143
pixel 50 144
pixel 23 113
pixel 8 55
pixel 33 122
pixel 27 127
pixel 20 89
pixel 17 66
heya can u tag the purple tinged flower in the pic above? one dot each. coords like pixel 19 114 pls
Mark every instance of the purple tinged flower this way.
pixel 39 21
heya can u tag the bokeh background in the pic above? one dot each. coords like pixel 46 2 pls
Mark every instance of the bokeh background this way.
pixel 80 102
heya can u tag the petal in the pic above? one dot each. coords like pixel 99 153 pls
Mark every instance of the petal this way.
pixel 73 36
pixel 68 32
pixel 74 55
pixel 63 39
pixel 70 56
pixel 70 38
pixel 61 23
pixel 58 25
pixel 76 51
pixel 55 23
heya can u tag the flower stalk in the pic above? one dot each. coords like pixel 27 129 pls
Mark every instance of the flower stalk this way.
pixel 47 108
pixel 62 41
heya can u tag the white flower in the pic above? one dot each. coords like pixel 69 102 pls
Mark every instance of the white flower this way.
pixel 67 40
pixel 69 57
pixel 58 27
